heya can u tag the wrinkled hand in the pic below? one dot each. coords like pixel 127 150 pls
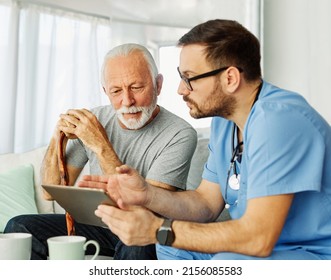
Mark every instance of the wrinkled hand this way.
pixel 135 226
pixel 59 128
pixel 126 187
pixel 84 125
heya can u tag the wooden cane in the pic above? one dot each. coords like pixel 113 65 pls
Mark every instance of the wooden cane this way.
pixel 65 178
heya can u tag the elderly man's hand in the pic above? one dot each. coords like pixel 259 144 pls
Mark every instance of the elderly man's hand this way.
pixel 85 126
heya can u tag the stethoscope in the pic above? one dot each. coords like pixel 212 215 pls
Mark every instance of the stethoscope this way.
pixel 233 181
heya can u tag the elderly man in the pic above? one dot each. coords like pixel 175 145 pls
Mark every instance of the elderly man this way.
pixel 134 130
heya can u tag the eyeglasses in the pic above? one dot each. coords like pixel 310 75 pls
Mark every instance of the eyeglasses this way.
pixel 187 81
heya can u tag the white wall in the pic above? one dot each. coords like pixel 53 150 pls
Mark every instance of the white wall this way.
pixel 297 49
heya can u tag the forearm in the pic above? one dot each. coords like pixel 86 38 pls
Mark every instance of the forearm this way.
pixel 186 205
pixel 255 233
pixel 203 204
pixel 50 169
pixel 229 236
pixel 107 158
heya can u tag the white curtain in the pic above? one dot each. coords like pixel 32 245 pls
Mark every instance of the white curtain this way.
pixel 50 61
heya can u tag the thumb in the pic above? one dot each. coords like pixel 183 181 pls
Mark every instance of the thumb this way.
pixel 122 205
pixel 124 169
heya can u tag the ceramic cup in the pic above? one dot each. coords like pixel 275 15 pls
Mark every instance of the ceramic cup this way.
pixel 70 247
pixel 15 246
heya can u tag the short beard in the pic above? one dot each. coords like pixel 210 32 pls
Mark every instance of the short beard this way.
pixel 218 105
pixel 132 123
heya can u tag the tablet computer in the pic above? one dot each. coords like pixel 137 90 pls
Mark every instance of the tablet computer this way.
pixel 80 202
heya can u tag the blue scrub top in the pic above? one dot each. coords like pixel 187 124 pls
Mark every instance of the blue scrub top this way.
pixel 287 149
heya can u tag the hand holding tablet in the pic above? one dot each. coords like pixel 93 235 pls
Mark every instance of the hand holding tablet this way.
pixel 80 202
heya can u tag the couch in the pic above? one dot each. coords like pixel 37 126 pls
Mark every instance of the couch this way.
pixel 33 160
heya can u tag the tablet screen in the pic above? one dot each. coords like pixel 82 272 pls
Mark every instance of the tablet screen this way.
pixel 79 202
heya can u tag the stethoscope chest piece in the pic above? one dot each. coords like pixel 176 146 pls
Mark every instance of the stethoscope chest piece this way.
pixel 234 182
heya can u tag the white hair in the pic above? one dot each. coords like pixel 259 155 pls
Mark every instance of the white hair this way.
pixel 125 50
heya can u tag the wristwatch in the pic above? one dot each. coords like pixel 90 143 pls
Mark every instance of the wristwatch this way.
pixel 165 235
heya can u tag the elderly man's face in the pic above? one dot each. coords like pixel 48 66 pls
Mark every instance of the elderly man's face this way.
pixel 130 89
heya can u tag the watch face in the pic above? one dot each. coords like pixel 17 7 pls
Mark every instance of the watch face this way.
pixel 165 235
pixel 162 236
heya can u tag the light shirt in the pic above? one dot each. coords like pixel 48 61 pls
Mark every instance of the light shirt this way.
pixel 287 149
pixel 161 151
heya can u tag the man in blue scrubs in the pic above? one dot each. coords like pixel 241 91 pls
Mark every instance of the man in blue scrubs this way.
pixel 269 164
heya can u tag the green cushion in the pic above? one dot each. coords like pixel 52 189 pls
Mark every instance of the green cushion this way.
pixel 16 194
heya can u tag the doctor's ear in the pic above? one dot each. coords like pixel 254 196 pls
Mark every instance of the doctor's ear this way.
pixel 159 83
pixel 233 78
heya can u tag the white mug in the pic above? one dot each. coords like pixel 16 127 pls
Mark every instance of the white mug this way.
pixel 70 247
pixel 15 246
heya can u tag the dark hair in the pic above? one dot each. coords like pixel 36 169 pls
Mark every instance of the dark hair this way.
pixel 227 43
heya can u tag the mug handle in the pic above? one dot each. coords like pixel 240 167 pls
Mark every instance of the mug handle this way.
pixel 96 245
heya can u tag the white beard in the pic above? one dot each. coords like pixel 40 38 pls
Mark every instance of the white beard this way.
pixel 133 123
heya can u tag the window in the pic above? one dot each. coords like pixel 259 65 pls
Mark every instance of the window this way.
pixel 50 62
pixel 50 59
pixel 169 98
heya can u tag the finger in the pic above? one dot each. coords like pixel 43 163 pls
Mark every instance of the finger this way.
pixel 105 218
pixel 94 181
pixel 70 119
pixel 86 112
pixel 96 178
pixel 67 129
pixel 109 214
pixel 94 185
pixel 115 196
pixel 67 134
pixel 109 210
pixel 63 123
pixel 75 112
pixel 80 113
